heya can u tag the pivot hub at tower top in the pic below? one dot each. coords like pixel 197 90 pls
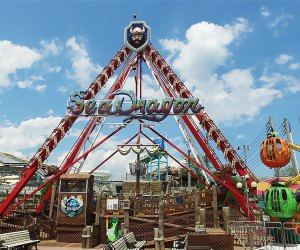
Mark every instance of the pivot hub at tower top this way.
pixel 137 35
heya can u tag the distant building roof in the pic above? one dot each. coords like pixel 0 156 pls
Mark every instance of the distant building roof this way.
pixel 8 159
pixel 75 176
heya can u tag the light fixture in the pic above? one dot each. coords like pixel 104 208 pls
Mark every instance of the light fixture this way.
pixel 253 184
pixel 246 177
pixel 138 148
pixel 239 185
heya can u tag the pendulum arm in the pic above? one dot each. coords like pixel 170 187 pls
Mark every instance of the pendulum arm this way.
pixel 89 128
pixel 207 123
pixel 118 84
pixel 177 89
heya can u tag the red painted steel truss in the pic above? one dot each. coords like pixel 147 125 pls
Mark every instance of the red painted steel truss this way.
pixel 172 87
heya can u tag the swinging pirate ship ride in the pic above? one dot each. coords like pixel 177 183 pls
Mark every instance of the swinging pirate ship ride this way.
pixel 137 51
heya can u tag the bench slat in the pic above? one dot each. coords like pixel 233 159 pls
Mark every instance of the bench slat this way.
pixel 121 243
pixel 18 243
pixel 19 238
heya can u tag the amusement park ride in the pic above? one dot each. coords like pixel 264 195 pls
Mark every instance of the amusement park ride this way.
pixel 281 202
pixel 136 52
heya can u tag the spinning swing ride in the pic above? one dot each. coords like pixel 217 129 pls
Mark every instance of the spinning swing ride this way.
pixel 280 201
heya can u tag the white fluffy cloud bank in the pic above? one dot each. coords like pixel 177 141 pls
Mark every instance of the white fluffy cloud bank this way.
pixel 28 134
pixel 84 71
pixel 231 97
pixel 14 57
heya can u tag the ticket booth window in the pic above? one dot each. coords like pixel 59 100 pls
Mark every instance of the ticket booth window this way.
pixel 71 186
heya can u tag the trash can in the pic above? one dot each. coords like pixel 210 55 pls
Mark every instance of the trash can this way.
pixel 198 241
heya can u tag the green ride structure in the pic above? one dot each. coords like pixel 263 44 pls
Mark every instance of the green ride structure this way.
pixel 156 162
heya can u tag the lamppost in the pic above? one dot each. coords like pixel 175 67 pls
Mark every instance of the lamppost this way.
pixel 239 185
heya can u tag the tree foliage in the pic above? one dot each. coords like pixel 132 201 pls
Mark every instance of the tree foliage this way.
pixel 45 189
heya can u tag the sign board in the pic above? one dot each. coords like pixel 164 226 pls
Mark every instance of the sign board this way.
pixel 153 110
pixel 137 35
pixel 72 206
pixel 112 204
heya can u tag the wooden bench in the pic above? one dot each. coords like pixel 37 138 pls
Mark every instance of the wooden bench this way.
pixel 126 242
pixel 17 239
pixel 132 241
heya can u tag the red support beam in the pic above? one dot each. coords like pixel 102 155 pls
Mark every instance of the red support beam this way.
pixel 204 119
pixel 62 171
pixel 176 88
pixel 112 154
pixel 90 126
pixel 64 126
pixel 234 191
pixel 187 169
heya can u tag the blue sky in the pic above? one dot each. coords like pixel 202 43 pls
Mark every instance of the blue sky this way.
pixel 242 57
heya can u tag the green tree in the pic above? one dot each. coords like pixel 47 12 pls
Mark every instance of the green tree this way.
pixel 45 189
pixel 287 171
pixel 229 195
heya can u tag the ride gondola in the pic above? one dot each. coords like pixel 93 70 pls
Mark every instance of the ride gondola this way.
pixel 280 201
pixel 275 151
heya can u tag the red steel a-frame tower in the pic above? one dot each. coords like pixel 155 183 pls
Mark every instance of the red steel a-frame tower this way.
pixel 137 51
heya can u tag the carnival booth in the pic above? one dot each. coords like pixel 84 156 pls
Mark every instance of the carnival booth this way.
pixel 75 206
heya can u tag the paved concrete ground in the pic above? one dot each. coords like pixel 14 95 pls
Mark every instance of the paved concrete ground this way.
pixel 53 245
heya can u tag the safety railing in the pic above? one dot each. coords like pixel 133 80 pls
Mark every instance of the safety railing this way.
pixel 266 235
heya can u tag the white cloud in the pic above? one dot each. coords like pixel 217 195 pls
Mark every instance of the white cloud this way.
pixel 206 47
pixel 283 59
pixel 28 134
pixel 280 22
pixel 50 112
pixel 29 84
pixel 40 88
pixel 232 97
pixel 243 100
pixel 55 69
pixel 14 57
pixel 265 12
pixel 173 46
pixel 241 136
pixel 294 66
pixel 62 89
pixel 276 22
pixel 50 47
pixel 83 69
pixel 24 84
pixel 289 83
